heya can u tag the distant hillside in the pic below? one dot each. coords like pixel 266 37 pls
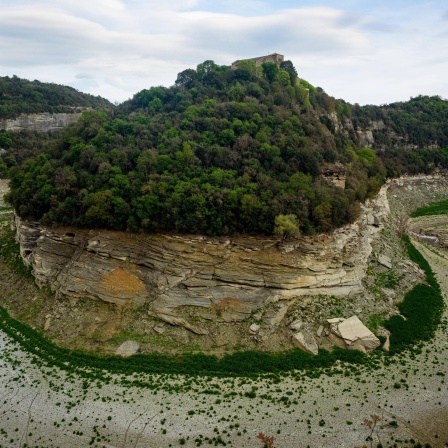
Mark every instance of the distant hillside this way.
pixel 246 150
pixel 410 137
pixel 20 96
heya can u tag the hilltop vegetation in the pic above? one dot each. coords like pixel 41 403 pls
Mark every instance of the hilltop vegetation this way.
pixel 412 136
pixel 20 96
pixel 222 151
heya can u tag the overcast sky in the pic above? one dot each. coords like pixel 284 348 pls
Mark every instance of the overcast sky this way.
pixel 364 51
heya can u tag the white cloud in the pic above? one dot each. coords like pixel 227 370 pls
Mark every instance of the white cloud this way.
pixel 115 47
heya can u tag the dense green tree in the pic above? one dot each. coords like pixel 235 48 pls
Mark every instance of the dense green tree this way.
pixel 288 66
pixel 223 151
pixel 286 226
pixel 270 70
pixel 20 96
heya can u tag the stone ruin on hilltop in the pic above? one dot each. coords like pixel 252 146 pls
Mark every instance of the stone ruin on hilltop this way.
pixel 276 58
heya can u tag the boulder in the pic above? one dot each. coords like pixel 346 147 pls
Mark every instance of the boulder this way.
pixel 254 328
pixel 385 261
pixel 336 340
pixel 354 335
pixel 128 348
pixel 306 342
pixel 296 325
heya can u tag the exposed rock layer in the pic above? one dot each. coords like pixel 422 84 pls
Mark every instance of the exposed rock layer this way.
pixel 228 278
pixel 41 122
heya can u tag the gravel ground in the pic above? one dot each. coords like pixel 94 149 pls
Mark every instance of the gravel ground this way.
pixel 42 407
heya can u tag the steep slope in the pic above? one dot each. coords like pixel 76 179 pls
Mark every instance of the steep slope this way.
pixel 233 276
pixel 222 152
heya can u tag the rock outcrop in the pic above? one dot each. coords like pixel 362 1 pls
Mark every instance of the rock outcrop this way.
pixel 128 348
pixel 226 279
pixel 352 334
pixel 42 122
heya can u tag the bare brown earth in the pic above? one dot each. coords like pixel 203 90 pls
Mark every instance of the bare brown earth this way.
pixel 43 407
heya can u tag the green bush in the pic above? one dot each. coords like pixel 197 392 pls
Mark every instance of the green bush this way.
pixel 422 307
pixel 434 208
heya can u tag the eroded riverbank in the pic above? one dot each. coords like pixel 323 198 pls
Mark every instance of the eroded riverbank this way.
pixel 47 407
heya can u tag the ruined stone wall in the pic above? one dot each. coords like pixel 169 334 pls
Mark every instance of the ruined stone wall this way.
pixel 274 57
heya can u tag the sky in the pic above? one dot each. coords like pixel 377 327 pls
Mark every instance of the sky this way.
pixel 363 51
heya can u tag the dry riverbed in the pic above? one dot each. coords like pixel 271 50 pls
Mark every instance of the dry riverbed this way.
pixel 41 407
pixel 45 407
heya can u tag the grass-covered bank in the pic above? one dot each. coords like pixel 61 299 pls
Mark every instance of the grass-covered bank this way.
pixel 434 208
pixel 422 307
pixel 239 363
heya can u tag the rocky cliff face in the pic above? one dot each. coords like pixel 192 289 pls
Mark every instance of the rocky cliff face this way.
pixel 226 279
pixel 42 122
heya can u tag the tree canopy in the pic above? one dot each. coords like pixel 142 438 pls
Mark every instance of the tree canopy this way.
pixel 20 96
pixel 222 151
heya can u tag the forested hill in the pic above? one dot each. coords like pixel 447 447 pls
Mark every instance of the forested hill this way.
pixel 20 96
pixel 227 151
pixel 410 137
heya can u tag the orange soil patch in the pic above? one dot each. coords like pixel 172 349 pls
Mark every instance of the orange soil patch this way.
pixel 121 283
pixel 228 302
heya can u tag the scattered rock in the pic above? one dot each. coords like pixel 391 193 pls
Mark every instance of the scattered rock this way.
pixel 254 328
pixel 306 342
pixel 296 325
pixel 179 322
pixel 385 261
pixel 275 317
pixel 390 293
pixel 335 320
pixel 47 322
pixel 386 345
pixel 128 348
pixel 159 329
